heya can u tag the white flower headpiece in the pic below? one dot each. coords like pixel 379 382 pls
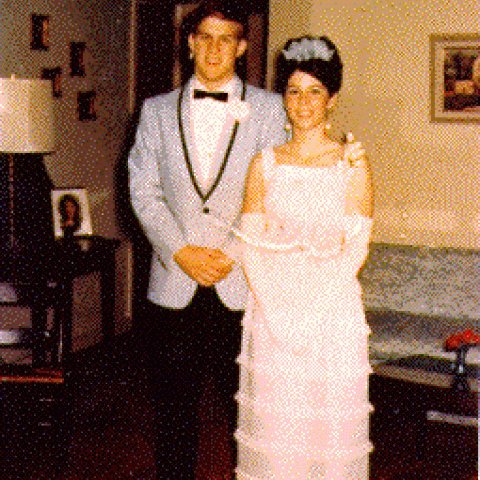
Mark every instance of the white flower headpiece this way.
pixel 308 50
pixel 354 151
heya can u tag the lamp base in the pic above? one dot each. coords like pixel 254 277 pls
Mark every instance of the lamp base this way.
pixel 26 222
pixel 460 382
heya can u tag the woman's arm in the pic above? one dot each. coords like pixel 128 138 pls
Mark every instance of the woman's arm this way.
pixel 360 191
pixel 253 200
pixel 252 219
pixel 357 219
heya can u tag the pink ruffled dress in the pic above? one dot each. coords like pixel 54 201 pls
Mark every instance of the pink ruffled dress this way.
pixel 303 403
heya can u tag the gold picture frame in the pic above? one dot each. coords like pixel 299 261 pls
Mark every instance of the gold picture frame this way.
pixel 455 78
pixel 55 76
pixel 40 32
pixel 78 214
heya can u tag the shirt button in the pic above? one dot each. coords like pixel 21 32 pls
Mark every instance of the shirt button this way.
pixel 206 210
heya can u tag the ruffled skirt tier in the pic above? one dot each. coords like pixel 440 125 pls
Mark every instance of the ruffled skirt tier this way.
pixel 303 416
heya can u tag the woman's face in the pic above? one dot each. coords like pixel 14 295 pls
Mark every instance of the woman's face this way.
pixel 306 101
pixel 70 209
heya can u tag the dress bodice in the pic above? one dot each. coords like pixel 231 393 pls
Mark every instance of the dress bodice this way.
pixel 305 203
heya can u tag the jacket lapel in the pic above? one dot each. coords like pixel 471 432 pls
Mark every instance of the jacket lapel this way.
pixel 229 134
pixel 186 136
pixel 226 134
pixel 187 124
pixel 227 130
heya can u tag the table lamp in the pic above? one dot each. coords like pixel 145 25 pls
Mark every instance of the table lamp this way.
pixel 26 133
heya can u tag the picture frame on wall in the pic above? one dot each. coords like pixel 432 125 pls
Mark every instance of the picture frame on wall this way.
pixel 86 105
pixel 77 59
pixel 71 212
pixel 40 32
pixel 55 75
pixel 455 78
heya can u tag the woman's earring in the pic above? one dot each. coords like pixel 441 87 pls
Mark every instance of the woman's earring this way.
pixel 190 56
pixel 287 127
pixel 328 125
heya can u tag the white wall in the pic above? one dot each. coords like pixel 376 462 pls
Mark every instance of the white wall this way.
pixel 288 18
pixel 426 175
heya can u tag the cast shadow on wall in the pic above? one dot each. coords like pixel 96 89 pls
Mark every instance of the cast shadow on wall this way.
pixel 129 225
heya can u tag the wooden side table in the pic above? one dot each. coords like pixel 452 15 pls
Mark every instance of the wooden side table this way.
pixel 77 257
pixel 35 401
pixel 54 268
pixel 421 426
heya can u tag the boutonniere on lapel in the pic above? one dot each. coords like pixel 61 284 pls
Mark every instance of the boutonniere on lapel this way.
pixel 353 150
pixel 238 109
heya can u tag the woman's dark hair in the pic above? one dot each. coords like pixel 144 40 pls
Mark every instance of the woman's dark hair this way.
pixel 230 10
pixel 62 207
pixel 317 56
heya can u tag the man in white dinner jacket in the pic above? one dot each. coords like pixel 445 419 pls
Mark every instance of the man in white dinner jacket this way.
pixel 189 162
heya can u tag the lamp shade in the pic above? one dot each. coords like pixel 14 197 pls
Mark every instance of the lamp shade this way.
pixel 26 116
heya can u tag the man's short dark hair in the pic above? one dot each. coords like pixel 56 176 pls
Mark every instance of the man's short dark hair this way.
pixel 231 10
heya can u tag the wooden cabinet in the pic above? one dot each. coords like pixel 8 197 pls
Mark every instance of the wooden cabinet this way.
pixel 452 432
pixel 421 426
pixel 35 399
pixel 32 422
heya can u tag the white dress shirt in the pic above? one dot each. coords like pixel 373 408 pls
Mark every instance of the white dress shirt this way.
pixel 209 120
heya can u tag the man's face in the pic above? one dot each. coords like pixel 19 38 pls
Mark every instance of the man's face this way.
pixel 215 46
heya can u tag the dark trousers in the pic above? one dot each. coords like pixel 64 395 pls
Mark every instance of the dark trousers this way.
pixel 188 350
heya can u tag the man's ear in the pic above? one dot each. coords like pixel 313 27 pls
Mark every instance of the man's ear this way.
pixel 241 47
pixel 191 42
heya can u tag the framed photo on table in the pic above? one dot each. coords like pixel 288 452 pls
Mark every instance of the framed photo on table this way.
pixel 71 212
pixel 455 78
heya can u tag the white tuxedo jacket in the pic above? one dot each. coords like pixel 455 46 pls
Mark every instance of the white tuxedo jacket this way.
pixel 165 194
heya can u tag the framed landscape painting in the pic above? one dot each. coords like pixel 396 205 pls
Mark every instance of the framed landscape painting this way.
pixel 455 78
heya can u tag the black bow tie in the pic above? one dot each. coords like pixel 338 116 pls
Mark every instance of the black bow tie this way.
pixel 220 96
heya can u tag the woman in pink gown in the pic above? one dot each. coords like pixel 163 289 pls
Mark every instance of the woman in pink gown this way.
pixel 303 405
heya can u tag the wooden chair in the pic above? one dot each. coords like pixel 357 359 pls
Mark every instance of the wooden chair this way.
pixel 33 395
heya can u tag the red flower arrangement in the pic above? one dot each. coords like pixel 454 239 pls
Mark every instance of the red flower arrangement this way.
pixel 460 340
pixel 460 343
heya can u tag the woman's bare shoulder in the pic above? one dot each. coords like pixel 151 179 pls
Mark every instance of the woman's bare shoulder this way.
pixel 282 149
pixel 283 153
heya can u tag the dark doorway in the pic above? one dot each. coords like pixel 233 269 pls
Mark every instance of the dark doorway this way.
pixel 155 38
